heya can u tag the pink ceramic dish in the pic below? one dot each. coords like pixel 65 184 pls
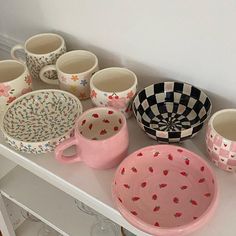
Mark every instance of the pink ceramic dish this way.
pixel 165 190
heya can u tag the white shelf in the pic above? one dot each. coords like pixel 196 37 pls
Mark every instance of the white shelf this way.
pixel 46 202
pixel 93 187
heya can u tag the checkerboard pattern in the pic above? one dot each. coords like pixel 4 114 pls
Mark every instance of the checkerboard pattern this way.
pixel 171 111
pixel 221 151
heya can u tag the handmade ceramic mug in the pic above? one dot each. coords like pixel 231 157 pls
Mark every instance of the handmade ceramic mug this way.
pixel 15 81
pixel 101 139
pixel 221 139
pixel 114 87
pixel 40 50
pixel 74 70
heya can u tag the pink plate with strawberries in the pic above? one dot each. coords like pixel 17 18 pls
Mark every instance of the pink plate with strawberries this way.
pixel 165 190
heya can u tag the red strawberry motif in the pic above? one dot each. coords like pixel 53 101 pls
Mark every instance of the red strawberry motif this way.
pixel 202 180
pixel 95 115
pixel 106 121
pixel 90 126
pixel 83 122
pixel 193 202
pixel 120 121
pixel 183 173
pixel 187 161
pixel 103 132
pixel 123 171
pixel 175 200
pixel 162 185
pixel 157 208
pixel 143 184
pixel 225 144
pixel 150 169
pixel 154 197
pixel 165 172
pixel 134 169
pixel 116 128
pixel 120 199
pixel 110 112
pixel 139 154
pixel 183 187
pixel 178 214
pixel 195 217
pixel 207 194
pixel 135 199
pixel 134 213
pixel 156 154
pixel 157 224
pixel 126 186
pixel 179 150
pixel 170 157
pixel 202 168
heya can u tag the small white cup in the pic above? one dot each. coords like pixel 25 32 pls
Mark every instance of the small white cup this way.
pixel 114 87
pixel 74 70
pixel 40 50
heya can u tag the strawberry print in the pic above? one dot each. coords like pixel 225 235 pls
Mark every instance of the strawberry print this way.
pixel 90 126
pixel 175 200
pixel 162 185
pixel 120 121
pixel 110 112
pixel 83 122
pixel 178 214
pixel 183 173
pixel 135 199
pixel 156 208
pixel 170 157
pixel 165 172
pixel 183 187
pixel 150 169
pixel 134 169
pixel 179 150
pixel 119 199
pixel 193 202
pixel 116 128
pixel 95 115
pixel 139 154
pixel 103 132
pixel 143 184
pixel 187 161
pixel 156 154
pixel 126 186
pixel 154 197
pixel 195 217
pixel 207 194
pixel 202 180
pixel 157 224
pixel 202 168
pixel 106 121
pixel 134 213
pixel 123 171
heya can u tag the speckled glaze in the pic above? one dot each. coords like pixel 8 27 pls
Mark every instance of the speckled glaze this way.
pixel 36 61
pixel 40 120
pixel 221 150
pixel 165 190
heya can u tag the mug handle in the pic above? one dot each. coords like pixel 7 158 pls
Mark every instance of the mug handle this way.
pixel 13 52
pixel 44 78
pixel 62 147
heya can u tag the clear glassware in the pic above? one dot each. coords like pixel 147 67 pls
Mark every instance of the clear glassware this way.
pixel 102 225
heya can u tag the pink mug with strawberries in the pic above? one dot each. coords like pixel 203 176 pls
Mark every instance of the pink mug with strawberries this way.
pixel 221 139
pixel 101 139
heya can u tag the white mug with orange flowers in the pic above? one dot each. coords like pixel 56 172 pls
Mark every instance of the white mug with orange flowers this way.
pixel 74 70
pixel 15 81
pixel 114 87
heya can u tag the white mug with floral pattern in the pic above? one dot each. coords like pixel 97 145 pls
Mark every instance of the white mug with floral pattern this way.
pixel 15 81
pixel 114 87
pixel 74 70
pixel 41 50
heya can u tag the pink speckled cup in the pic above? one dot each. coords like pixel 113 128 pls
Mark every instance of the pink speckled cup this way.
pixel 101 139
pixel 221 139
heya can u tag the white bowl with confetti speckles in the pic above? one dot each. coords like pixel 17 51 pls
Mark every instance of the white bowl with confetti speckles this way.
pixel 38 121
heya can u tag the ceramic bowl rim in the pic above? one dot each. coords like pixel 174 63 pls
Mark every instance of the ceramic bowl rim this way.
pixel 193 126
pixel 180 229
pixel 79 112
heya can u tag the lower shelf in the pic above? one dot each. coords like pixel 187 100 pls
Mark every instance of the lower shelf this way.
pixel 49 204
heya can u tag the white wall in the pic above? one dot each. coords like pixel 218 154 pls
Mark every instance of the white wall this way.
pixel 188 40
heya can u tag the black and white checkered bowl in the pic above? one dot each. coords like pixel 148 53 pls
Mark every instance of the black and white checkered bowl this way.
pixel 171 111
